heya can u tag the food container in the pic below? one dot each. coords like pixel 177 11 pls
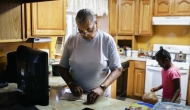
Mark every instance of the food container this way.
pixel 170 106
pixel 129 52
pixel 134 53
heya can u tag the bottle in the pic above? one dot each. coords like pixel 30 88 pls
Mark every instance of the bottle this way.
pixel 149 50
pixel 125 50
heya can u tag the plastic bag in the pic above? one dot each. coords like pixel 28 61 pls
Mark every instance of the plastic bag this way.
pixel 150 98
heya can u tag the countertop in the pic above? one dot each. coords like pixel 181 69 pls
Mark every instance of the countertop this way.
pixel 57 81
pixel 103 103
pixel 124 58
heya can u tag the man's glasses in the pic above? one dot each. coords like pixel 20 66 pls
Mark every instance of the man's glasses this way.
pixel 88 31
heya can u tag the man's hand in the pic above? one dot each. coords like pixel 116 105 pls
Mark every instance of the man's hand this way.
pixel 76 90
pixel 94 94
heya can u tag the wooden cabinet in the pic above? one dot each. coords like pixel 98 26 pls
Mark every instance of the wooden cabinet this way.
pixel 162 7
pixel 181 7
pixel 145 17
pixel 10 21
pixel 45 19
pixel 19 21
pixel 171 7
pixel 130 17
pixel 139 77
pixel 136 79
pixel 126 17
pixel 112 7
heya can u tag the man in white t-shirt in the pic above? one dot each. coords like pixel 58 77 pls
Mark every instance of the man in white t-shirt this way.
pixel 90 62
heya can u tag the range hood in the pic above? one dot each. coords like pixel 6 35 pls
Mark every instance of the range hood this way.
pixel 171 20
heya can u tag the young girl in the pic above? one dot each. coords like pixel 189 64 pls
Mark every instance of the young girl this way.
pixel 170 78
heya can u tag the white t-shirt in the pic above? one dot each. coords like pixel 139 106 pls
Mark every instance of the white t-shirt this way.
pixel 90 62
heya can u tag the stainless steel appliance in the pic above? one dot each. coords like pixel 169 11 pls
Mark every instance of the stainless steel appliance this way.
pixel 153 70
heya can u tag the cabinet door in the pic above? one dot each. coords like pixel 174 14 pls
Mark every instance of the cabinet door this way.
pixel 112 17
pixel 10 21
pixel 163 7
pixel 181 7
pixel 139 77
pixel 47 18
pixel 145 19
pixel 130 78
pixel 126 17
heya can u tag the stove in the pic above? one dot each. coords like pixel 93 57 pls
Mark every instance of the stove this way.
pixel 173 49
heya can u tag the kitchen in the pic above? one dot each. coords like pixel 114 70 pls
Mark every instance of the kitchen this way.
pixel 132 35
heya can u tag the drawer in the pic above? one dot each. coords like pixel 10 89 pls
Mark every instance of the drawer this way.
pixel 140 64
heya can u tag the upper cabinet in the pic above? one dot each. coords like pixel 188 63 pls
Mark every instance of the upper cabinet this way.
pixel 19 21
pixel 130 17
pixel 162 7
pixel 181 7
pixel 145 17
pixel 126 17
pixel 172 7
pixel 45 19
pixel 112 7
pixel 10 21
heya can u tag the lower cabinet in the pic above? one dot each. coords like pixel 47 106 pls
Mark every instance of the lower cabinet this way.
pixel 136 79
pixel 139 77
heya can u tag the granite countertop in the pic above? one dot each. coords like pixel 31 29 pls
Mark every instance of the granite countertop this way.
pixel 58 104
pixel 56 81
pixel 124 58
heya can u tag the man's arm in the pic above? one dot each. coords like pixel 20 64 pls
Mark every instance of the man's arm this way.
pixel 112 76
pixel 76 90
pixel 94 94
pixel 65 74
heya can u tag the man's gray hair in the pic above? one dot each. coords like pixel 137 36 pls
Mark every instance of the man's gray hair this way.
pixel 84 15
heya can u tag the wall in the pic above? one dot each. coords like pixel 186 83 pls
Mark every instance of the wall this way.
pixel 178 35
pixel 102 23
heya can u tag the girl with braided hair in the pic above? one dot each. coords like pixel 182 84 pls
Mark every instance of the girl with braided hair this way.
pixel 170 78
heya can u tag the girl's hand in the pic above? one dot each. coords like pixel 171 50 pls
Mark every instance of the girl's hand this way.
pixel 76 90
pixel 154 89
pixel 94 94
